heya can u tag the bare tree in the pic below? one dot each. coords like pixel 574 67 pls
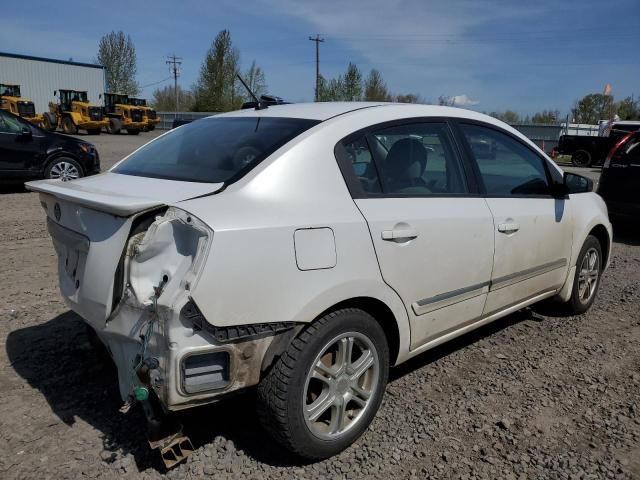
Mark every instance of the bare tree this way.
pixel 163 99
pixel 254 77
pixel 118 55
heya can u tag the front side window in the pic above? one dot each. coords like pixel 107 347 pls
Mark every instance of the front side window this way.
pixel 213 150
pixel 9 124
pixel 507 166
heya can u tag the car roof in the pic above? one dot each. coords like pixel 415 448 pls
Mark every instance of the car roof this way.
pixel 325 110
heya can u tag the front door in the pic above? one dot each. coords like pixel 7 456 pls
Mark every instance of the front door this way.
pixel 433 238
pixel 532 228
pixel 16 153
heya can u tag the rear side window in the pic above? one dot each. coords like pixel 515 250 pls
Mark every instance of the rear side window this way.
pixel 412 159
pixel 213 150
pixel 507 166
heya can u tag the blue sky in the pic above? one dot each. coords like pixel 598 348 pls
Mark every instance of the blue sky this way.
pixel 492 54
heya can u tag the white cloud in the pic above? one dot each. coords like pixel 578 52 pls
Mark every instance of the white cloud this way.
pixel 463 101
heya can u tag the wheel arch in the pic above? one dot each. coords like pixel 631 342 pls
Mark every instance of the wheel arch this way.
pixel 600 232
pixel 57 154
pixel 382 313
pixel 375 307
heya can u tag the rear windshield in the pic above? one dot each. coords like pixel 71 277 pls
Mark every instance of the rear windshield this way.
pixel 213 150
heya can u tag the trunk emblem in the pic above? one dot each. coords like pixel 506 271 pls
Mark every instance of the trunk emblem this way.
pixel 56 211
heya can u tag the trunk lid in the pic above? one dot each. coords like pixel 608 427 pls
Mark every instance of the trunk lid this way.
pixel 90 220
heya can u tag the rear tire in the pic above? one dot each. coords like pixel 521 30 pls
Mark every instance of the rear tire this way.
pixel 581 158
pixel 325 389
pixel 114 126
pixel 68 126
pixel 587 277
pixel 151 128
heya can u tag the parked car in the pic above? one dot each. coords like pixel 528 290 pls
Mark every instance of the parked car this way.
pixel 587 150
pixel 307 248
pixel 620 178
pixel 28 152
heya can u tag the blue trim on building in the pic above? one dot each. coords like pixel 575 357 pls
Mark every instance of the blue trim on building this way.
pixel 50 60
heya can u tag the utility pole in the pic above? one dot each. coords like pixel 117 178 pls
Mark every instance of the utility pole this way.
pixel 317 39
pixel 174 67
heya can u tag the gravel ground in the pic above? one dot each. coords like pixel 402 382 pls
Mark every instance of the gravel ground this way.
pixel 530 396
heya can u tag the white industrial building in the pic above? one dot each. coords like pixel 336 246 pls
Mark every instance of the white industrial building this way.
pixel 40 77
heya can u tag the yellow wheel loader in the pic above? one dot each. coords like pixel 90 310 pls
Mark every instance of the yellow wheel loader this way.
pixel 150 115
pixel 122 115
pixel 11 100
pixel 73 112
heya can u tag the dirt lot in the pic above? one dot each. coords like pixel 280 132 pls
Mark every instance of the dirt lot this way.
pixel 530 396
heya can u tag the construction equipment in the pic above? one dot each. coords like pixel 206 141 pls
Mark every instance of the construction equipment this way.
pixel 151 116
pixel 11 100
pixel 73 112
pixel 122 115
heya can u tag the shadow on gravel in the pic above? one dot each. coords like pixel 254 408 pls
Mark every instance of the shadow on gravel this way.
pixel 13 188
pixel 57 359
pixel 459 343
pixel 627 232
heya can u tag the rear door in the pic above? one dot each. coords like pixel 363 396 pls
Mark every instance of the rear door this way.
pixel 432 235
pixel 533 234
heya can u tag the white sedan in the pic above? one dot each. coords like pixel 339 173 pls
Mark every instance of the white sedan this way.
pixel 307 248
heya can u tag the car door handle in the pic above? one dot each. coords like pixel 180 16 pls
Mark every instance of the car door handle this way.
pixel 508 227
pixel 404 234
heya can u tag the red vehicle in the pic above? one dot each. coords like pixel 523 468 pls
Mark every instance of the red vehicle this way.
pixel 620 179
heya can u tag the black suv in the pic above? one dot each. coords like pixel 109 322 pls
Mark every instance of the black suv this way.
pixel 28 152
pixel 620 178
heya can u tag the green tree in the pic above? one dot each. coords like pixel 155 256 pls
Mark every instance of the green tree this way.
pixel 164 100
pixel 508 116
pixel 546 116
pixel 216 89
pixel 118 55
pixel 628 109
pixel 592 108
pixel 375 89
pixel 352 84
pixel 408 98
pixel 331 90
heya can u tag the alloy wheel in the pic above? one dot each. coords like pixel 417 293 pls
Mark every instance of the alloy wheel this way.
pixel 340 385
pixel 588 276
pixel 64 171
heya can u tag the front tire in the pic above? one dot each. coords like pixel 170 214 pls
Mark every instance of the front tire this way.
pixel 63 168
pixel 325 389
pixel 68 126
pixel 587 276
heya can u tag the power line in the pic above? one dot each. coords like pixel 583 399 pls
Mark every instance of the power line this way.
pixel 317 41
pixel 156 83
pixel 174 67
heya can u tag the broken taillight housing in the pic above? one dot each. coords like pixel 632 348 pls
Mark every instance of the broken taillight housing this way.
pixel 168 256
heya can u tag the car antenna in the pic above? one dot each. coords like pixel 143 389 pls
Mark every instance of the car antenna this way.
pixel 259 104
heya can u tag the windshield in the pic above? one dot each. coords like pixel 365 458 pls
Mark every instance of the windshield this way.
pixel 213 150
pixel 9 90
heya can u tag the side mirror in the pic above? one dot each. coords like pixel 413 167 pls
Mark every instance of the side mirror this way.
pixel 575 183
